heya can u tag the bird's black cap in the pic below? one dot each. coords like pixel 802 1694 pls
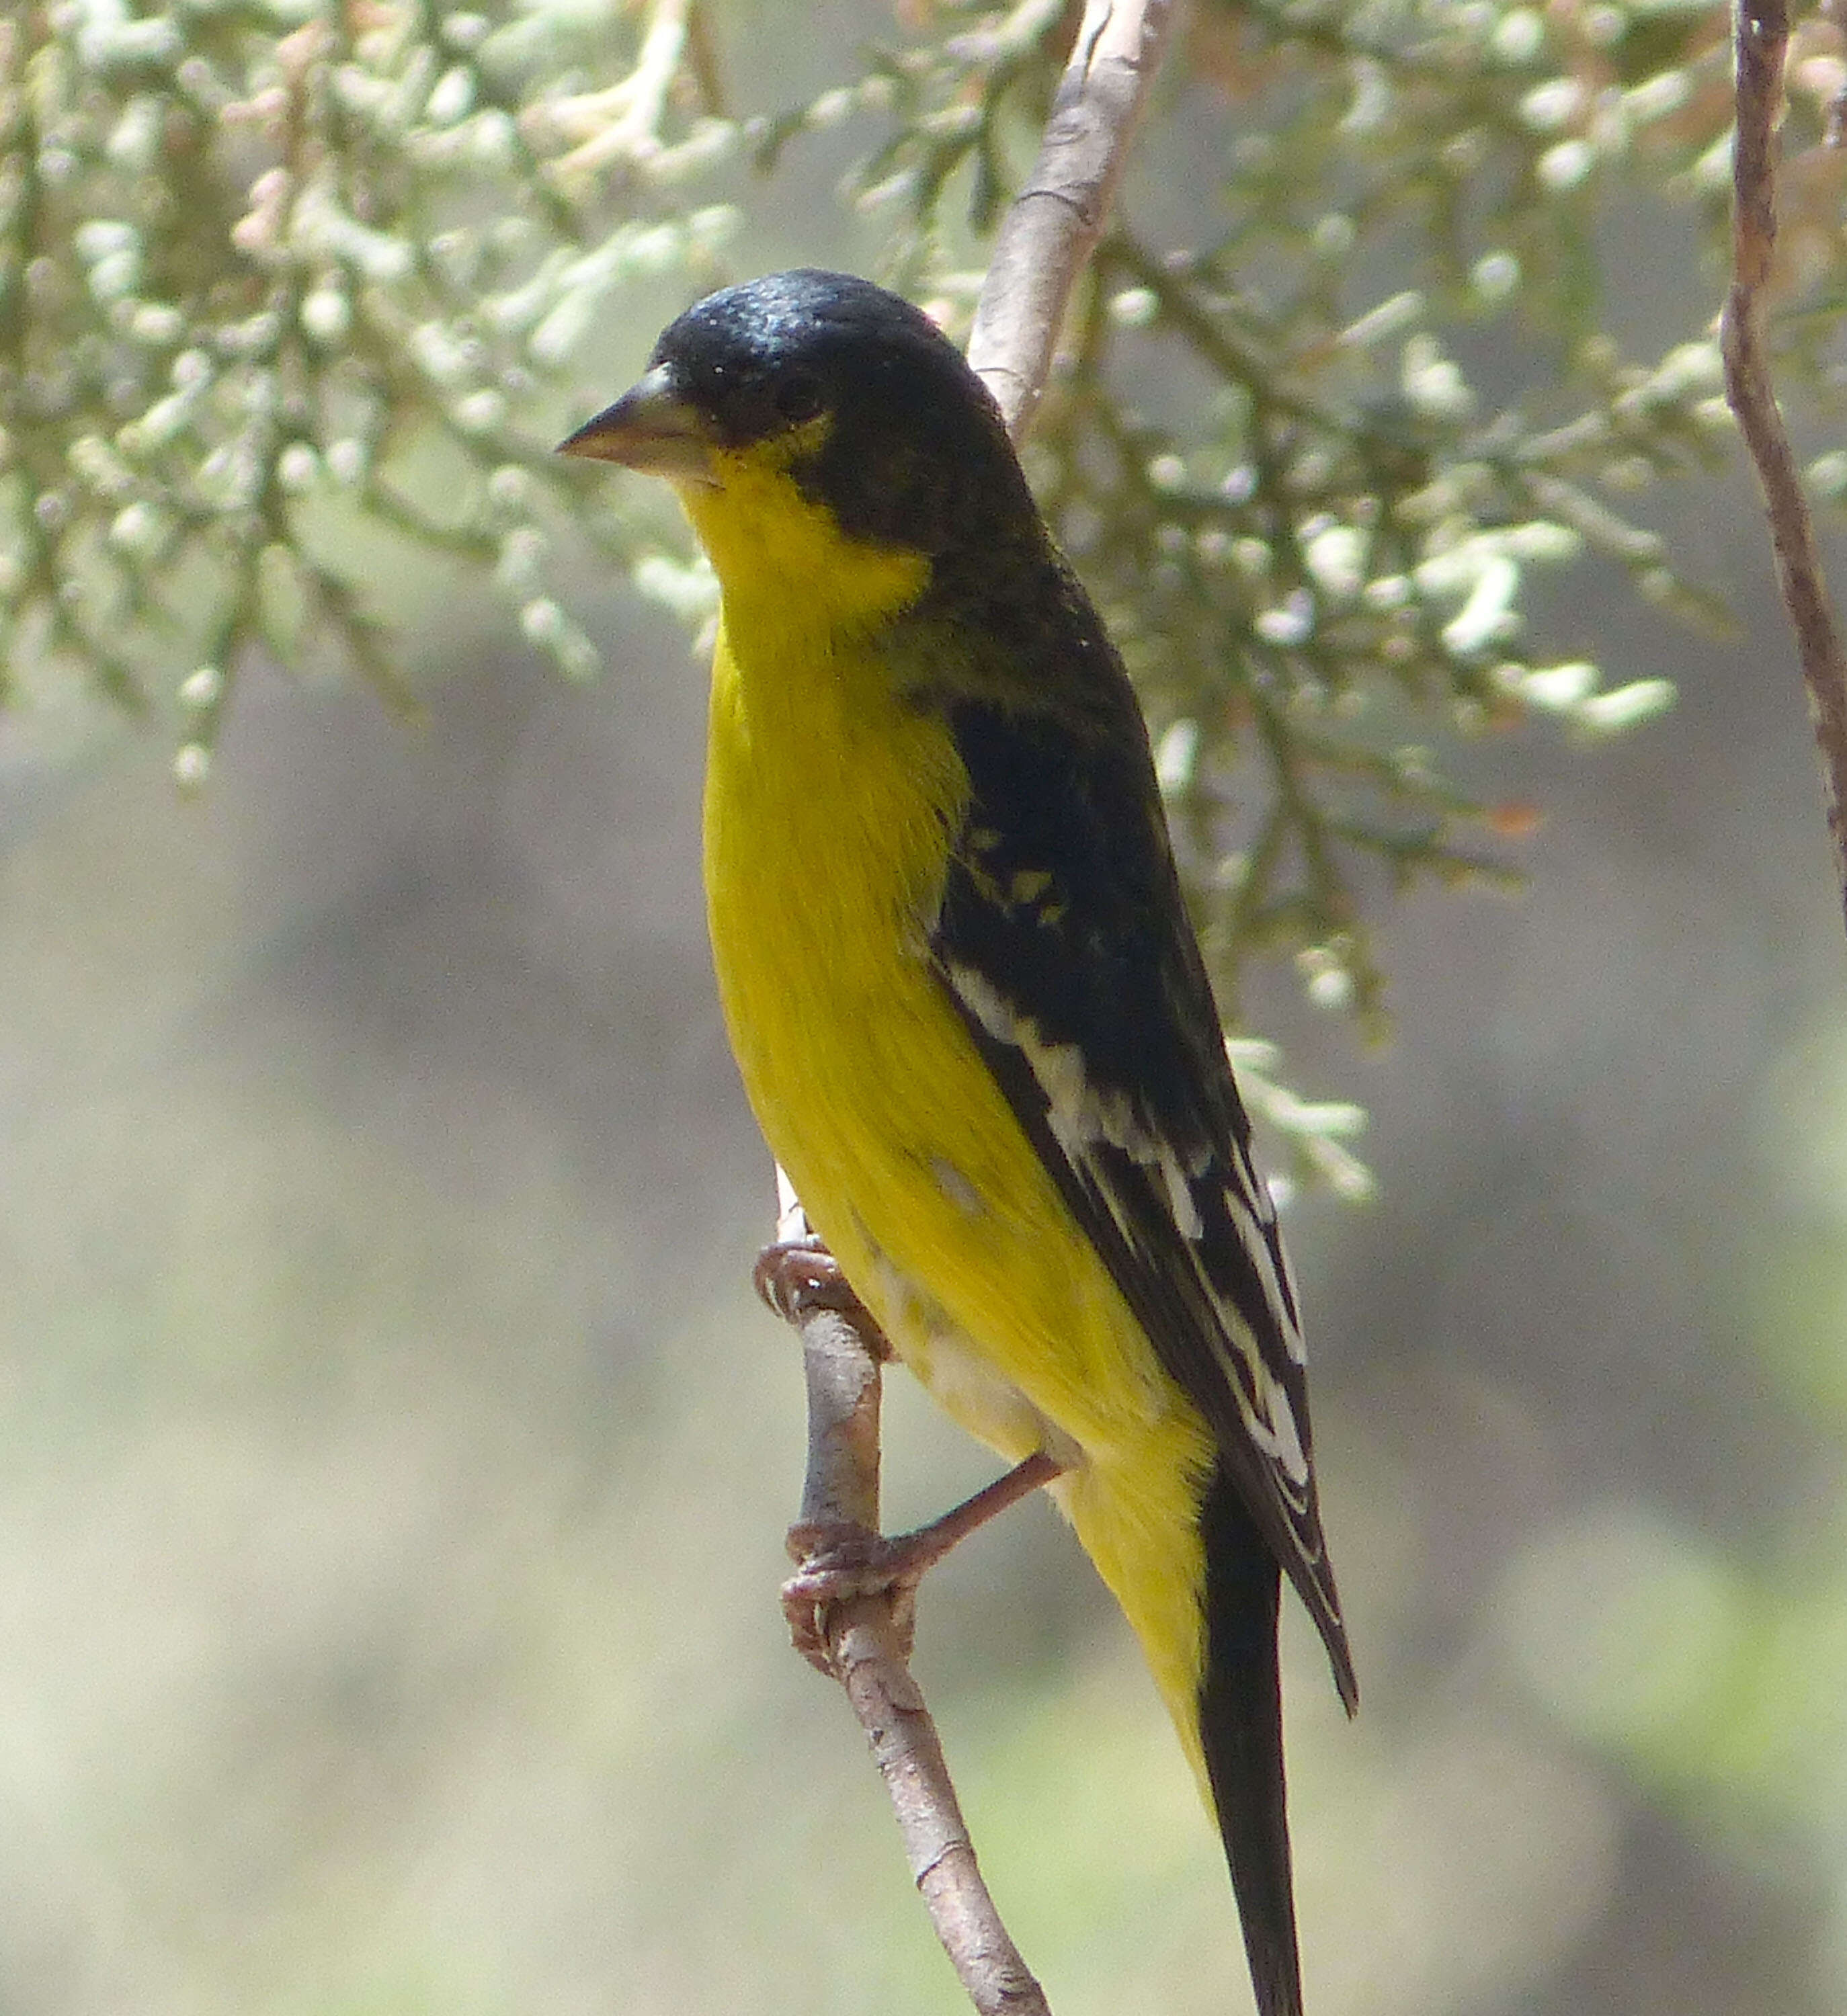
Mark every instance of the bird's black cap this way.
pixel 889 427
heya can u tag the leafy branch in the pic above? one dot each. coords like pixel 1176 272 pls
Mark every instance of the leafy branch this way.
pixel 273 305
pixel 289 315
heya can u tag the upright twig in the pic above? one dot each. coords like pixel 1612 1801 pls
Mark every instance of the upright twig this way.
pixel 1057 218
pixel 1762 39
pixel 865 1641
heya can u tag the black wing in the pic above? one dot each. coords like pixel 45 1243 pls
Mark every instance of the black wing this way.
pixel 1064 943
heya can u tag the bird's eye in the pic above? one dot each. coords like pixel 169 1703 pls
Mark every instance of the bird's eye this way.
pixel 798 398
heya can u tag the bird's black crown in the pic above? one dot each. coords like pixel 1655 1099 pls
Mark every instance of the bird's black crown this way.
pixel 915 453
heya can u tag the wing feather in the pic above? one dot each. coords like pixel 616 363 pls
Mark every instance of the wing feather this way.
pixel 1063 942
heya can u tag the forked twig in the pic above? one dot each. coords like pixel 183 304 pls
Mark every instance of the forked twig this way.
pixel 1762 39
pixel 621 123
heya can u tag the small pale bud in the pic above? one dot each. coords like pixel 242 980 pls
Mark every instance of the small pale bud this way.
pixel 509 487
pixel 541 621
pixel 201 689
pixel 480 413
pixel 347 461
pixel 298 468
pixel 327 315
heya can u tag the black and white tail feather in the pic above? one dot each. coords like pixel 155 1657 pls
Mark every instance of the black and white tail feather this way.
pixel 1064 943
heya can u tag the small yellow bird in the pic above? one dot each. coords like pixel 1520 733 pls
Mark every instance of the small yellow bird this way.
pixel 968 1008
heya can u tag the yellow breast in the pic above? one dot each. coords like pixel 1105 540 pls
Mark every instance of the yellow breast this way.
pixel 829 803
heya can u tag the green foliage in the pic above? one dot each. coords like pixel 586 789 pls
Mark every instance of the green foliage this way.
pixel 290 296
pixel 1316 558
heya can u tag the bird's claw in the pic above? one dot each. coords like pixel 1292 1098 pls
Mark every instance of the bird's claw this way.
pixel 796 1276
pixel 837 1562
pixel 792 1275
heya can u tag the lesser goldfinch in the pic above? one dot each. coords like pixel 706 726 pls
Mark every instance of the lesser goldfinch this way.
pixel 968 1007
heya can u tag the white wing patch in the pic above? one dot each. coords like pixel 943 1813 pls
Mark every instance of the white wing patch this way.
pixel 1180 1199
pixel 1082 1117
pixel 1284 1444
pixel 1254 1217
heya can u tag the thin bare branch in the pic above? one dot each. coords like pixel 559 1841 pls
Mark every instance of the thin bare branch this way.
pixel 1762 29
pixel 942 1860
pixel 1056 220
pixel 865 1641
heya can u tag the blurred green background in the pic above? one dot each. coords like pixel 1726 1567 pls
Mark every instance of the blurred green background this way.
pixel 396 1464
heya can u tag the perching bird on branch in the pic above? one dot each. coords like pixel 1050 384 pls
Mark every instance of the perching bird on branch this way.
pixel 969 1009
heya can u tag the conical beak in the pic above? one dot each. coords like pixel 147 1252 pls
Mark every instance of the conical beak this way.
pixel 652 428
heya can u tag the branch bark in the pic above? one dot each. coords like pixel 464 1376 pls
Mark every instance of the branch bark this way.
pixel 1762 37
pixel 865 1641
pixel 1052 227
pixel 1056 221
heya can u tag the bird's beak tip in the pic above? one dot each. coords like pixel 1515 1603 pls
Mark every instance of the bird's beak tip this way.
pixel 582 444
pixel 653 427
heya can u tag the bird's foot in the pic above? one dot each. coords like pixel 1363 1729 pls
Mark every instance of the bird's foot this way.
pixel 795 1276
pixel 837 1561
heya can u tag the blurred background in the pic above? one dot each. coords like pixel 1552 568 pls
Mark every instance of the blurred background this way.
pixel 396 1464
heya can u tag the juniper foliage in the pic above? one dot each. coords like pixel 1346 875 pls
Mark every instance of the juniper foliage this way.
pixel 294 298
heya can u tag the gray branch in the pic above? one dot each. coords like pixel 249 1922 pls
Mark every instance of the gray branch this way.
pixel 1056 220
pixel 1762 37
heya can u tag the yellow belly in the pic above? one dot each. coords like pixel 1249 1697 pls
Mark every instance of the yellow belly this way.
pixel 826 803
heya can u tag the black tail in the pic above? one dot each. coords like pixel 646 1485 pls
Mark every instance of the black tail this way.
pixel 1240 1724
